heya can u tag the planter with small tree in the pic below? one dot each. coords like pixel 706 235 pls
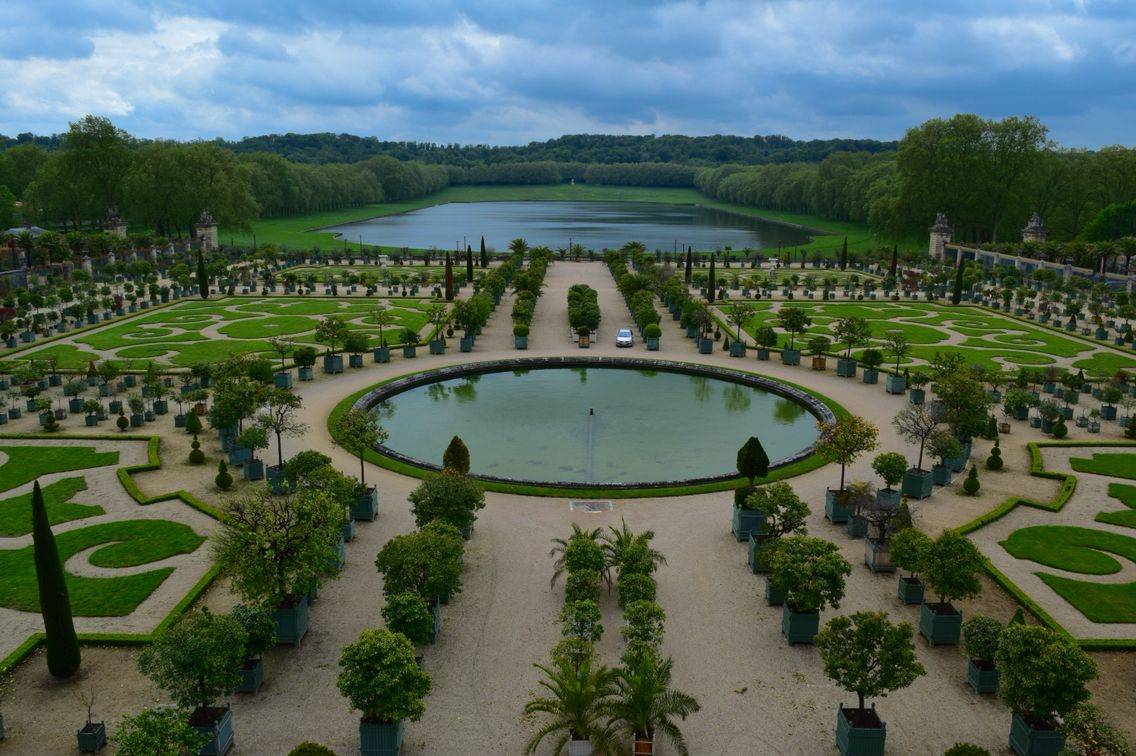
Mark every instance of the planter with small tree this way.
pixel 811 572
pixel 871 359
pixel 851 331
pixel 766 339
pixel 951 566
pixel 980 637
pixel 355 344
pixel 907 549
pixel 197 661
pixel 253 438
pixel 260 635
pixel 794 321
pixel 752 463
pixel 867 655
pixel 410 341
pixel 783 513
pixel 305 359
pixel 818 348
pixel 383 318
pixel 358 431
pixel 92 735
pixel 1043 679
pixel 379 675
pixel 916 423
pixel 896 344
pixel 891 466
pixel 842 442
pixel 942 445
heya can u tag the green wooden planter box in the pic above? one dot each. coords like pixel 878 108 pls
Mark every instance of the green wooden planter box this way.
pixel 305 373
pixel 758 544
pixel 367 507
pixel 870 377
pixel 333 363
pixel 252 676
pixel 291 622
pixel 916 396
pixel 282 379
pixel 380 738
pixel 791 357
pixel 355 360
pixel 762 354
pixel 856 527
pixel 91 737
pixel 381 354
pixel 1027 740
pixel 706 346
pixel 846 368
pixel 774 596
pixel 437 346
pixel 983 678
pixel 410 351
pixel 918 484
pixel 859 741
pixel 877 555
pixel 745 522
pixel 465 344
pixel 348 529
pixel 799 627
pixel 910 590
pixel 521 342
pixel 652 343
pixel 275 477
pixel 836 512
pixel 940 629
pixel 220 734
pixel 895 384
pixel 737 349
pixel 940 475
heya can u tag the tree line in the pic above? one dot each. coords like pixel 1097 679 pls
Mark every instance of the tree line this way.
pixel 988 176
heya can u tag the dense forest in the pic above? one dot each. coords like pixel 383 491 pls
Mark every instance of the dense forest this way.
pixel 574 148
pixel 988 176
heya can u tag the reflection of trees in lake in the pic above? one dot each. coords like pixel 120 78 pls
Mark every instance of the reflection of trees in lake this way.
pixel 786 411
pixel 737 397
pixel 438 392
pixel 582 372
pixel 649 373
pixel 518 373
pixel 701 386
pixel 384 411
pixel 466 391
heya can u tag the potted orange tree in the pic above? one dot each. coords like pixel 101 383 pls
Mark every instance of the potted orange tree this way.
pixel 811 572
pixel 842 442
pixel 379 675
pixel 907 548
pixel 951 567
pixel 867 655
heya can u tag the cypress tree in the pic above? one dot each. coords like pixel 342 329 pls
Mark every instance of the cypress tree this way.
pixel 894 260
pixel 456 456
pixel 753 462
pixel 689 265
pixel 449 278
pixel 844 255
pixel 468 264
pixel 484 254
pixel 956 295
pixel 202 277
pixel 710 284
pixel 63 656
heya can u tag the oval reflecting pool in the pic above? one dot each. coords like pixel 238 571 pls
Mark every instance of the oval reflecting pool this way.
pixel 594 425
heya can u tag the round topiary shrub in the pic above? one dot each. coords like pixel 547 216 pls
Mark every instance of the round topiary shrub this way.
pixel 122 422
pixel 652 331
pixel 520 329
pixel 223 480
pixel 971 484
pixel 196 456
pixel 994 461
pixel 1060 430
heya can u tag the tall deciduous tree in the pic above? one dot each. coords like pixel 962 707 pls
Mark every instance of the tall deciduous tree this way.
pixel 357 431
pixel 63 656
pixel 845 440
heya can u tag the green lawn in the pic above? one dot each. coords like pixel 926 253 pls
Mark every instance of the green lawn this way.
pixel 1126 495
pixel 128 543
pixel 26 463
pixel 178 336
pixel 1099 602
pixel 1116 465
pixel 297 232
pixel 16 512
pixel 1072 549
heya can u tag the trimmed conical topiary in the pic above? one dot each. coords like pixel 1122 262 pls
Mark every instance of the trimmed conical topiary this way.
pixel 63 656
pixel 971 484
pixel 456 456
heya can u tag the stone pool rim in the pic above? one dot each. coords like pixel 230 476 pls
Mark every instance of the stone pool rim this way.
pixel 383 391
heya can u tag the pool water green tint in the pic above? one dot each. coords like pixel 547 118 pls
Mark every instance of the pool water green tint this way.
pixel 594 425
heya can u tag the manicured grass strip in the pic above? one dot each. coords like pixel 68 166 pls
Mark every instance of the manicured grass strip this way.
pixel 127 544
pixel 1113 465
pixel 812 462
pixel 1099 602
pixel 26 463
pixel 1071 548
pixel 16 512
pixel 1124 517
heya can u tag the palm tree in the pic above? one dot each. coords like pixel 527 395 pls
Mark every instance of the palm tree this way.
pixel 560 544
pixel 646 704
pixel 618 542
pixel 580 697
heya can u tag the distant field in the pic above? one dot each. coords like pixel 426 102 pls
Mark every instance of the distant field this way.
pixel 296 232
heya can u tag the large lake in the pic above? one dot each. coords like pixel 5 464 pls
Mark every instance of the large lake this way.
pixel 595 225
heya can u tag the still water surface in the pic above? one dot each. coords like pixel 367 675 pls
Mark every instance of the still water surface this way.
pixel 643 426
pixel 595 225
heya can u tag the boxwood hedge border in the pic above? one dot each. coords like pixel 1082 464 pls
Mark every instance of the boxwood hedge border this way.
pixel 1068 486
pixel 816 403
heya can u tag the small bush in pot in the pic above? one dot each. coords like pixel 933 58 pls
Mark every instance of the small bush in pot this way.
pixel 379 675
pixel 783 512
pixel 645 703
pixel 581 619
pixel 908 547
pixel 867 655
pixel 157 731
pixel 980 636
pixel 448 496
pixel 951 568
pixel 260 635
pixel 811 572
pixel 409 614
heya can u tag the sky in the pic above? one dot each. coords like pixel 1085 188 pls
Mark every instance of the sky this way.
pixel 514 71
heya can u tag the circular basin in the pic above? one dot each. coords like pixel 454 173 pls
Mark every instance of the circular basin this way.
pixel 580 422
